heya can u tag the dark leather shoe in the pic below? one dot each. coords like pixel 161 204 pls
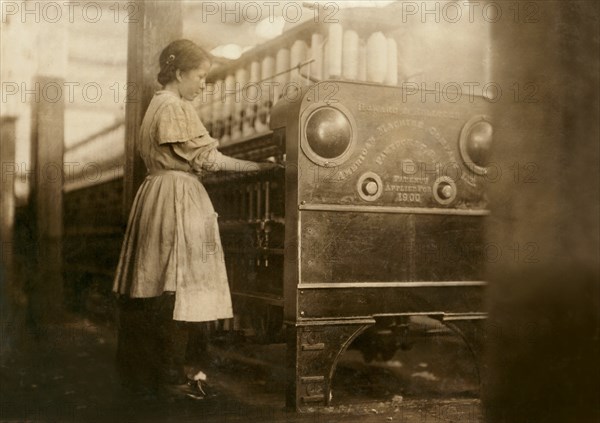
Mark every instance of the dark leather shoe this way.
pixel 207 389
pixel 197 390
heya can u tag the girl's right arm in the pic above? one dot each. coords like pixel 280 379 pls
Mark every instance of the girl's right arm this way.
pixel 231 164
pixel 205 156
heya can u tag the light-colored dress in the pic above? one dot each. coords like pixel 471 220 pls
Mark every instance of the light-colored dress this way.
pixel 172 241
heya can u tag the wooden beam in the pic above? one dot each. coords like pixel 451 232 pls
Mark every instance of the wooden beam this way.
pixel 158 24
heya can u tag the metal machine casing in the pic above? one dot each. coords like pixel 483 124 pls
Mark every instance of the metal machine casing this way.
pixel 384 216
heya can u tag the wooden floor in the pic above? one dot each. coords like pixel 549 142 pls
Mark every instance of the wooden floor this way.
pixel 65 372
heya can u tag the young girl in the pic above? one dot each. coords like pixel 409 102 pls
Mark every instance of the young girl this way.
pixel 171 267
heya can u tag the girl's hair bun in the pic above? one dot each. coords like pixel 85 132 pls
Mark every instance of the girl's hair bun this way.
pixel 183 55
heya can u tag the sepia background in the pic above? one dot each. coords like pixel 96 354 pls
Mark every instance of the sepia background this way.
pixel 65 69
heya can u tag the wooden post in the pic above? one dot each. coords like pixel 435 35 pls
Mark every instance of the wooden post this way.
pixel 46 201
pixel 7 206
pixel 157 24
pixel 45 290
pixel 7 157
pixel 544 289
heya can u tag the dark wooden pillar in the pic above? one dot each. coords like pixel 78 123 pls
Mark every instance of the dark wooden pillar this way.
pixel 46 202
pixel 9 168
pixel 544 289
pixel 157 24
pixel 7 208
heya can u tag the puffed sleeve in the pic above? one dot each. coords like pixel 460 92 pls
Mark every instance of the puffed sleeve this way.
pixel 201 153
pixel 178 122
pixel 180 128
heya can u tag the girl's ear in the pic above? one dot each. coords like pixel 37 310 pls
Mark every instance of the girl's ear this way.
pixel 178 75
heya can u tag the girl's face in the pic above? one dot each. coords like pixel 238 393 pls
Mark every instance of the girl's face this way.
pixel 192 82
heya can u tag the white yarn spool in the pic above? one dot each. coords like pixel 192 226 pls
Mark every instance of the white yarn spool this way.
pixel 252 95
pixel 335 44
pixel 362 61
pixel 254 72
pixel 282 64
pixel 267 70
pixel 298 54
pixel 241 79
pixel 326 60
pixel 350 55
pixel 376 58
pixel 316 53
pixel 391 77
pixel 252 92
pixel 267 67
pixel 229 94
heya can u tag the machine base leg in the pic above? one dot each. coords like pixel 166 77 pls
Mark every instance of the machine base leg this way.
pixel 314 348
